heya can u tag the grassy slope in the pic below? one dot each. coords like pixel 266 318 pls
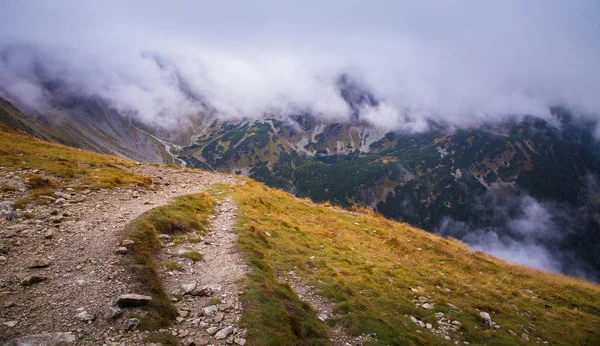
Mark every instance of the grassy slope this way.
pixel 62 166
pixel 367 264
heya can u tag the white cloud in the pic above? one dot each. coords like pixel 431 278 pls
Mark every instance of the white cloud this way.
pixel 459 63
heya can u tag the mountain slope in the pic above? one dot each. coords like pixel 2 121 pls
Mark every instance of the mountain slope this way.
pixel 375 272
pixel 380 273
pixel 90 125
pixel 468 183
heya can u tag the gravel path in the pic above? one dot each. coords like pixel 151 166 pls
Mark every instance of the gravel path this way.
pixel 73 240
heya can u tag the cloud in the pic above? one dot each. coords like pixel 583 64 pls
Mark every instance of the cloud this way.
pixel 459 63
pixel 523 231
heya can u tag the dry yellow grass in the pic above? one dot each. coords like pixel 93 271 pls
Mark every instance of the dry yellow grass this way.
pixel 367 265
pixel 61 166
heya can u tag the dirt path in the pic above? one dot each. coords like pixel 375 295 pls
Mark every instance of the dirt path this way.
pixel 210 309
pixel 76 236
pixel 325 310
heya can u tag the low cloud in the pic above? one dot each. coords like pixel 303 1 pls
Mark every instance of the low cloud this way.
pixel 459 64
pixel 523 231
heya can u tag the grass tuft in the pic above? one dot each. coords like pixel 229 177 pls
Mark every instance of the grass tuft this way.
pixel 193 255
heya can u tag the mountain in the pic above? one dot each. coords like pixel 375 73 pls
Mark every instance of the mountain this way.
pixel 456 182
pixel 97 248
pixel 525 189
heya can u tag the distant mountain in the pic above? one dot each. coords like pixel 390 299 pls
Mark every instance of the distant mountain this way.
pixel 524 187
pixel 456 183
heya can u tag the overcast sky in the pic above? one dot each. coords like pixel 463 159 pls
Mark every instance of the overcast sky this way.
pixel 456 61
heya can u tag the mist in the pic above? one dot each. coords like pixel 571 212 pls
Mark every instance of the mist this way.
pixel 524 231
pixel 459 63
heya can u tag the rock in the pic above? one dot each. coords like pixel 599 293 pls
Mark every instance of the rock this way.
pixel 85 316
pixel 226 307
pixel 10 323
pixel 209 310
pixel 62 195
pixel 447 338
pixel 427 306
pixel 49 234
pixel 322 317
pixel 428 325
pixel 439 314
pixel 132 324
pixel 122 250
pixel 267 234
pixel 423 299
pixel 32 279
pixel 487 319
pixel 414 319
pixel 219 316
pixel 196 342
pixel 223 333
pixel 132 300
pixel 212 330
pixel 201 291
pixel 112 313
pixel 41 263
pixel 525 337
pixel 512 333
pixel 183 313
pixel 421 324
pixel 183 333
pixel 239 341
pixel 127 242
pixel 46 339
pixel 164 237
pixel 456 323
pixel 188 288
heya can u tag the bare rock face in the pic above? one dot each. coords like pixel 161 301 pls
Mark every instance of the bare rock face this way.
pixel 46 339
pixel 132 300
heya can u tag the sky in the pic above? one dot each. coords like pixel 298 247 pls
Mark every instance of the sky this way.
pixel 458 62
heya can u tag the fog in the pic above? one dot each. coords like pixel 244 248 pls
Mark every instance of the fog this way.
pixel 524 231
pixel 458 63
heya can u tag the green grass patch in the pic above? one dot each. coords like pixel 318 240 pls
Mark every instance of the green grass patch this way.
pixel 193 255
pixel 172 265
pixel 185 214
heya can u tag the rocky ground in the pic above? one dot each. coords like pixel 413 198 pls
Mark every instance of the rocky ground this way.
pixel 209 308
pixel 59 272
